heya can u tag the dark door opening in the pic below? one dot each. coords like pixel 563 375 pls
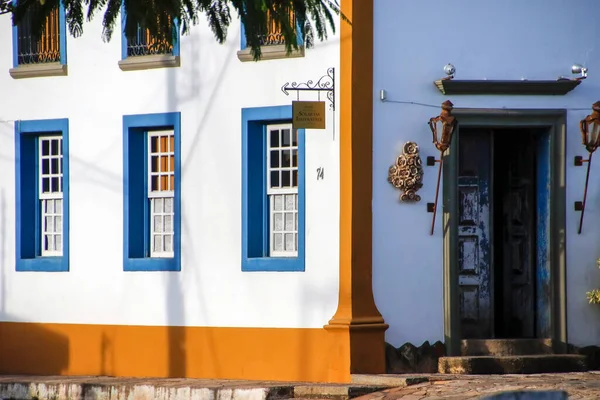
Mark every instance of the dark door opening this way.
pixel 514 218
pixel 501 179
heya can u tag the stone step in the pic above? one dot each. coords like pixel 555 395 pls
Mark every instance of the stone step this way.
pixel 524 364
pixel 505 347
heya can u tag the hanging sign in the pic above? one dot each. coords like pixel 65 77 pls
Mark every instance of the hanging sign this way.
pixel 308 114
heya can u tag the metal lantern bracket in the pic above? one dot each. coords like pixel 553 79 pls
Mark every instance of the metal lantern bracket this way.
pixel 591 141
pixel 326 83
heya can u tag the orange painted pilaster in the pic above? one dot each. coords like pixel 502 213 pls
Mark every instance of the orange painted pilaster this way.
pixel 357 326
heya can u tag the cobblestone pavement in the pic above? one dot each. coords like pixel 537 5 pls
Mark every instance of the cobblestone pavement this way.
pixel 578 386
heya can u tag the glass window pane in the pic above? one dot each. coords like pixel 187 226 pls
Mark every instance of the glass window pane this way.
pixel 55 187
pixel 153 144
pixel 158 226
pixel 45 148
pixel 169 243
pixel 285 178
pixel 58 242
pixel 54 147
pixel 286 158
pixel 45 185
pixel 275 138
pixel 295 137
pixel 275 159
pixel 45 166
pixel 290 202
pixel 278 242
pixel 289 222
pixel 274 179
pixel 48 243
pixel 154 162
pixel 158 205
pixel 295 178
pixel 158 243
pixel 164 164
pixel 54 166
pixel 285 133
pixel 278 199
pixel 278 222
pixel 289 242
pixel 49 224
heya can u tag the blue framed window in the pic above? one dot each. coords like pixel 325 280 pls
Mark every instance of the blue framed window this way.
pixel 274 35
pixel 50 47
pixel 152 192
pixel 42 195
pixel 273 190
pixel 145 44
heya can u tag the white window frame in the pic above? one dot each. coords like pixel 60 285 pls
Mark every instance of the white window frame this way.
pixel 43 197
pixel 272 192
pixel 154 195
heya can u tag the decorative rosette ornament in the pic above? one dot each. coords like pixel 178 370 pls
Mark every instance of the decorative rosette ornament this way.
pixel 407 174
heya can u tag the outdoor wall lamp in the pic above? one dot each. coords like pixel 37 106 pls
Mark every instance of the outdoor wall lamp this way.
pixel 444 125
pixel 579 69
pixel 590 130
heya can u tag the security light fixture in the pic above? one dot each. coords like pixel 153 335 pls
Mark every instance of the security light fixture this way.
pixel 590 134
pixel 442 127
pixel 449 70
pixel 579 69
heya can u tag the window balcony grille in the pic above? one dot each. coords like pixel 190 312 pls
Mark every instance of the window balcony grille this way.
pixel 145 44
pixel 46 48
pixel 274 34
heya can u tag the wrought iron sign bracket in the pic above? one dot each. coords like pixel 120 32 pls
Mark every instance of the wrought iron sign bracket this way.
pixel 326 83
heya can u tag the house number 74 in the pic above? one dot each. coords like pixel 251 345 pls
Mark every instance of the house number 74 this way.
pixel 320 173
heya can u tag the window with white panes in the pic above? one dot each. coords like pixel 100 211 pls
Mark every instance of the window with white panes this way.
pixel 50 175
pixel 282 190
pixel 161 191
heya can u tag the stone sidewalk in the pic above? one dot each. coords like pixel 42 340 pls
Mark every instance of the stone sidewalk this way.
pixel 578 385
pixel 365 387
pixel 110 388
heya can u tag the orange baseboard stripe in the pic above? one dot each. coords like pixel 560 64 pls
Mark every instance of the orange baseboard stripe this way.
pixel 155 351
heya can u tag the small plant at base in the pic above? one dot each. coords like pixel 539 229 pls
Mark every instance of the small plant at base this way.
pixel 594 295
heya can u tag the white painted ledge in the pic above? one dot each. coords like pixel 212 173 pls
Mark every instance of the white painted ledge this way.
pixel 271 53
pixel 38 70
pixel 149 62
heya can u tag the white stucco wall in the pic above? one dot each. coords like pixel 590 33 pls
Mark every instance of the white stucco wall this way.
pixel 209 89
pixel 510 39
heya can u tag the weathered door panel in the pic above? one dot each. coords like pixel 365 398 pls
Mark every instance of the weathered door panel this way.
pixel 543 270
pixel 474 251
pixel 518 244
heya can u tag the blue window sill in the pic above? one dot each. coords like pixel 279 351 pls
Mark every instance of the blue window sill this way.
pixel 273 264
pixel 43 264
pixel 152 264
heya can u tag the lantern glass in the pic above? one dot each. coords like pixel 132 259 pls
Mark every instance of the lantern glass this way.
pixel 593 129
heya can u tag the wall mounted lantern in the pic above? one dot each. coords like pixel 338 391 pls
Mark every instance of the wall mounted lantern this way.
pixel 590 134
pixel 442 127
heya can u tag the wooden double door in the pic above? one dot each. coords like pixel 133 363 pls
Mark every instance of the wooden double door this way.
pixel 497 221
